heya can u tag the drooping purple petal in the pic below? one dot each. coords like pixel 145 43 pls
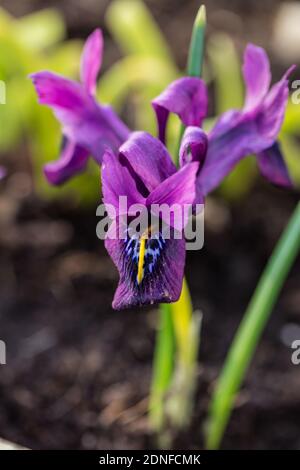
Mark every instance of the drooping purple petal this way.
pixel 73 160
pixel 193 146
pixel 91 126
pixel 117 181
pixel 162 273
pixel 257 75
pixel 91 61
pixel 186 97
pixel 272 166
pixel 177 192
pixel 148 158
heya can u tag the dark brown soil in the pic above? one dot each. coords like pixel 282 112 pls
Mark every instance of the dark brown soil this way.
pixel 78 373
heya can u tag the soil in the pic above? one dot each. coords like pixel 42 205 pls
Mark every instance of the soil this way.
pixel 78 373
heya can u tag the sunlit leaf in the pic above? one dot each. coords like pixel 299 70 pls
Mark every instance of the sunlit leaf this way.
pixel 135 30
pixel 40 29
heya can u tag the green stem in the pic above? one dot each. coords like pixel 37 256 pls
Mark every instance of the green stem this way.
pixel 163 365
pixel 250 330
pixel 176 323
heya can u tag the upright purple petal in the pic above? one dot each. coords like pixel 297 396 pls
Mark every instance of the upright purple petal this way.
pixel 186 97
pixel 162 270
pixel 193 146
pixel 148 158
pixel 117 181
pixel 272 166
pixel 177 190
pixel 91 61
pixel 73 160
pixel 257 75
pixel 271 114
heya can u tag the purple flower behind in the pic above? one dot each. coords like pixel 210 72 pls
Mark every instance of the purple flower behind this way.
pixel 88 127
pixel 151 266
pixel 186 97
pixel 237 133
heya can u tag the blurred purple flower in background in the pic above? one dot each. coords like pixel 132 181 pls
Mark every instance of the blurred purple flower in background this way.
pixel 151 266
pixel 237 133
pixel 88 127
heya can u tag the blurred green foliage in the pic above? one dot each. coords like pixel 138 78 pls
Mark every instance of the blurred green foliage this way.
pixel 147 68
pixel 38 41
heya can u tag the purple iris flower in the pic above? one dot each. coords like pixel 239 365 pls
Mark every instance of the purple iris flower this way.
pixel 151 266
pixel 237 133
pixel 151 269
pixel 88 127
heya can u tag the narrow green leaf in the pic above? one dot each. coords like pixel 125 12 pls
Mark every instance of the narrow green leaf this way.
pixel 196 52
pixel 250 330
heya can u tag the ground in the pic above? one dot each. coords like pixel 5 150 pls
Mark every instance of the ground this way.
pixel 78 373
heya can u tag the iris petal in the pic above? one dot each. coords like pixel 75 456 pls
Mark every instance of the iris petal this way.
pixel 257 75
pixel 73 160
pixel 91 126
pixel 272 166
pixel 91 61
pixel 193 146
pixel 148 158
pixel 176 194
pixel 156 277
pixel 186 97
pixel 117 181
pixel 273 108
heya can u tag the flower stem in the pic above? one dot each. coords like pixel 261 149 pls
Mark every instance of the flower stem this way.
pixel 163 365
pixel 250 330
pixel 178 334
